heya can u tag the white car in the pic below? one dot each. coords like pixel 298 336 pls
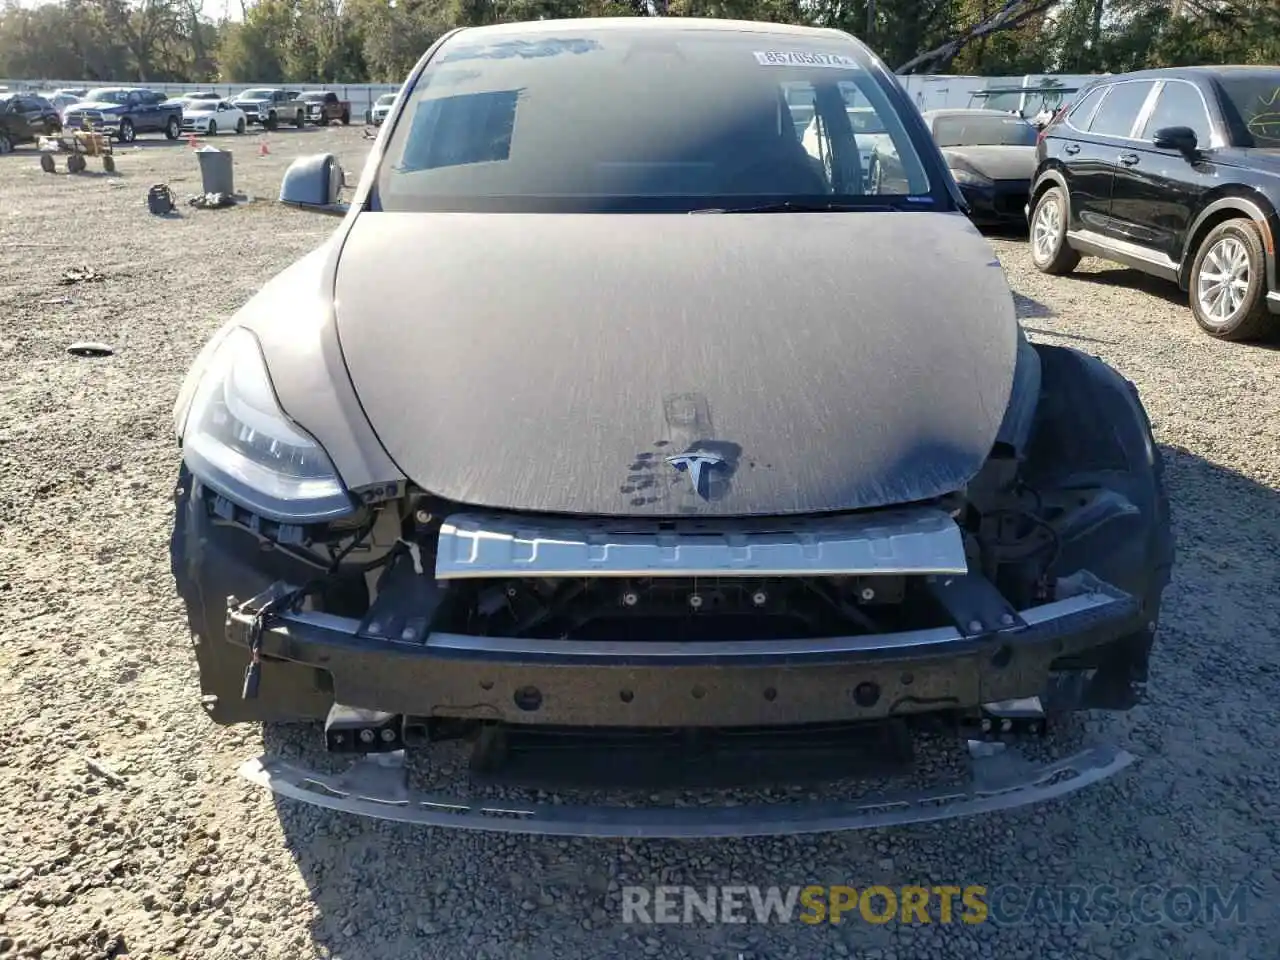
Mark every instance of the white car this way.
pixel 212 117
pixel 868 131
pixel 381 107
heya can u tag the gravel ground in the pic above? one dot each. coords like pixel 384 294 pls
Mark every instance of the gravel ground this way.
pixel 124 830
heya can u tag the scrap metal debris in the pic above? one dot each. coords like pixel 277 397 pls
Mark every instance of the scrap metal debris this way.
pixel 80 275
pixel 212 201
pixel 90 349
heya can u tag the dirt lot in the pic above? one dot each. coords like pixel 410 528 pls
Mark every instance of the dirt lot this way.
pixel 124 830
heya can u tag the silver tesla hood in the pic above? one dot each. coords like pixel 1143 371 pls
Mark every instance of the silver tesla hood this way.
pixel 554 362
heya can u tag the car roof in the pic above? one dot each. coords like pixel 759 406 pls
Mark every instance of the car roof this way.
pixel 968 112
pixel 658 24
pixel 1193 73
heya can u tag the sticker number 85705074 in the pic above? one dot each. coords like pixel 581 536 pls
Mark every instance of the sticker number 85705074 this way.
pixel 798 58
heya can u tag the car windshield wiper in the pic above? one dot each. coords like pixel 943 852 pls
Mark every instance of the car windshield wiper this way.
pixel 880 204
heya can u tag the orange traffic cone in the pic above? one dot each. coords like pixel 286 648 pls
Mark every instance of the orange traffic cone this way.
pixel 192 142
pixel 262 149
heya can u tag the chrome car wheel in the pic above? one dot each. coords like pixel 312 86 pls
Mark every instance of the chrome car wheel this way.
pixel 1045 231
pixel 1223 282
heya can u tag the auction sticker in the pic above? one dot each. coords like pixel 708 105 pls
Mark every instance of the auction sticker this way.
pixel 796 58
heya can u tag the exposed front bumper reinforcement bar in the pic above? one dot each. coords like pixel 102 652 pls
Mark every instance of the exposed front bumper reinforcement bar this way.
pixel 391 661
pixel 376 786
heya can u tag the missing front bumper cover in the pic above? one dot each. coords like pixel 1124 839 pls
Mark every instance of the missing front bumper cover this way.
pixel 999 655
pixel 376 786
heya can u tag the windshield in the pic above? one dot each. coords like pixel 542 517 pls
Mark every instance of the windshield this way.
pixel 647 119
pixel 386 100
pixel 263 93
pixel 106 95
pixel 1255 96
pixel 866 121
pixel 312 96
pixel 975 131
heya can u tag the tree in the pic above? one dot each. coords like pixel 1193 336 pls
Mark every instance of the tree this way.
pixel 331 41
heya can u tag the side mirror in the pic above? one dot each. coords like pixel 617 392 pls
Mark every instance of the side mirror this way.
pixel 1182 139
pixel 315 183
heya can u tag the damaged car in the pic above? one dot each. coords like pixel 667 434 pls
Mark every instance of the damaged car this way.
pixel 646 450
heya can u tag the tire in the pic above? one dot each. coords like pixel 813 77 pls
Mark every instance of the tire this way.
pixel 75 163
pixel 1237 311
pixel 47 163
pixel 272 121
pixel 127 132
pixel 1049 250
pixel 213 129
pixel 346 118
pixel 240 125
pixel 299 120
pixel 6 143
pixel 109 163
pixel 172 129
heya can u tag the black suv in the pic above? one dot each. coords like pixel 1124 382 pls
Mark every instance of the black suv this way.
pixel 1175 173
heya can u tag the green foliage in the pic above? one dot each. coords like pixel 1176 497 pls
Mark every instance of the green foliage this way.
pixel 336 41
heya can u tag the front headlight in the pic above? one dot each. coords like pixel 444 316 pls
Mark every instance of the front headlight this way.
pixel 239 442
pixel 967 177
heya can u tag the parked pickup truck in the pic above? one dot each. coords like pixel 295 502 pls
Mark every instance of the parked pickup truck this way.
pixel 125 112
pixel 324 107
pixel 271 106
pixel 24 117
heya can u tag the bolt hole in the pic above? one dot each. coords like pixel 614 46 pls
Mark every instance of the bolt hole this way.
pixel 770 694
pixel 866 694
pixel 528 698
pixel 1002 657
pixel 699 693
pixel 626 696
pixel 908 679
pixel 486 684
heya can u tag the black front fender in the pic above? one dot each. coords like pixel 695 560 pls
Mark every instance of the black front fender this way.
pixel 1092 449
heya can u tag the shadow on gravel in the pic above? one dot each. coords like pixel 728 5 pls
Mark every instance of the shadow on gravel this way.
pixel 1009 232
pixel 1195 814
pixel 1133 280
pixel 1031 309
pixel 1073 337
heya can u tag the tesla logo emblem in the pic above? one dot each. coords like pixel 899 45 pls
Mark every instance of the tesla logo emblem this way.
pixel 697 465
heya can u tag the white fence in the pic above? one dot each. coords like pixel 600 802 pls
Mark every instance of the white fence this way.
pixel 929 92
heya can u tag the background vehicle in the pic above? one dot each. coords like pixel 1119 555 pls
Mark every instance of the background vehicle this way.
pixel 271 106
pixel 207 95
pixel 24 117
pixel 381 107
pixel 890 570
pixel 992 157
pixel 868 131
pixel 212 117
pixel 60 100
pixel 324 107
pixel 125 112
pixel 1174 173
